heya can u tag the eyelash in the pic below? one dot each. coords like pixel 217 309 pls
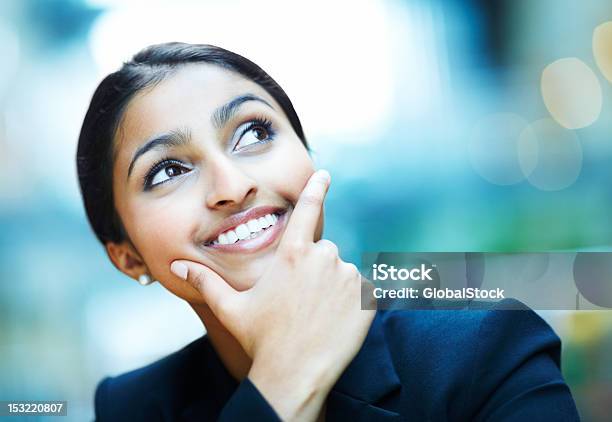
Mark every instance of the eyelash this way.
pixel 159 165
pixel 263 122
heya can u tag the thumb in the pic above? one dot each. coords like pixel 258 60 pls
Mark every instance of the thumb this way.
pixel 214 289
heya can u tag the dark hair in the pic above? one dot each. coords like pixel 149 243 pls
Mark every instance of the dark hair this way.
pixel 148 67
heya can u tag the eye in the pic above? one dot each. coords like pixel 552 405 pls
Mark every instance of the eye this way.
pixel 254 132
pixel 164 171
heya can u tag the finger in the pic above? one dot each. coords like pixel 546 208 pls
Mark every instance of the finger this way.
pixel 217 293
pixel 305 216
pixel 329 246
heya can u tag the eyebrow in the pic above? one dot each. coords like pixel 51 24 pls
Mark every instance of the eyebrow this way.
pixel 181 137
pixel 224 114
pixel 174 138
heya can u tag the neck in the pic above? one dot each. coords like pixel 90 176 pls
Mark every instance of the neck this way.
pixel 231 353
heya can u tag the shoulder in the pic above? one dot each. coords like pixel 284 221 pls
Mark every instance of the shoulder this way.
pixel 500 325
pixel 135 395
pixel 475 360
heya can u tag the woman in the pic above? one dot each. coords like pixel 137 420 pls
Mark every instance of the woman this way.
pixel 195 172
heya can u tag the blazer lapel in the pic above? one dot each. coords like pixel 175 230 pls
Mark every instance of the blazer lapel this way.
pixel 341 407
pixel 369 379
pixel 214 384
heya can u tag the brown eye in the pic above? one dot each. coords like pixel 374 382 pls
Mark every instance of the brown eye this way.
pixel 260 133
pixel 173 170
pixel 168 171
pixel 254 132
pixel 252 136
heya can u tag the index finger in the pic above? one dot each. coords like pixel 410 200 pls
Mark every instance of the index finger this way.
pixel 305 216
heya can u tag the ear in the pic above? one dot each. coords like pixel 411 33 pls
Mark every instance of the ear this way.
pixel 126 259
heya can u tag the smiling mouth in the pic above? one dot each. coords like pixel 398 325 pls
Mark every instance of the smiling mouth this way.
pixel 252 229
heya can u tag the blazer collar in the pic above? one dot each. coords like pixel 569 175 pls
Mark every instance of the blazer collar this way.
pixel 367 380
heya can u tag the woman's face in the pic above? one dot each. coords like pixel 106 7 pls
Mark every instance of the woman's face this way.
pixel 200 147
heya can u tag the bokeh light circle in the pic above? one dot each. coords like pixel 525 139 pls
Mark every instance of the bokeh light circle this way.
pixel 602 48
pixel 571 92
pixel 550 155
pixel 593 277
pixel 493 148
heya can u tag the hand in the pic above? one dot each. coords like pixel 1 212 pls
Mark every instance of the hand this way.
pixel 301 323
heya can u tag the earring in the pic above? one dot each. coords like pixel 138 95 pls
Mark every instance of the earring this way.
pixel 144 279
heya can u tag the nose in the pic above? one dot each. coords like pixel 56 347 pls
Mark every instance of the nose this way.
pixel 229 184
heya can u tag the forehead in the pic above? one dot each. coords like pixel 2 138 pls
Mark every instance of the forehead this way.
pixel 185 98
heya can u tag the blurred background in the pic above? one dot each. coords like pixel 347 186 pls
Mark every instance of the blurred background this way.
pixel 447 126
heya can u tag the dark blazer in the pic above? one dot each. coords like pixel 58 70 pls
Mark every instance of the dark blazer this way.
pixel 438 365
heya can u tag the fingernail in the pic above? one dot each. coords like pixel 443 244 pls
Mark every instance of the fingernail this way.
pixel 323 175
pixel 179 269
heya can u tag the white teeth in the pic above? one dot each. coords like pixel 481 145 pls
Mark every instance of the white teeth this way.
pixel 254 226
pixel 246 230
pixel 232 237
pixel 223 239
pixel 243 231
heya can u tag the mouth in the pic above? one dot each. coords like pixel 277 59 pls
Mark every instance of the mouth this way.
pixel 257 229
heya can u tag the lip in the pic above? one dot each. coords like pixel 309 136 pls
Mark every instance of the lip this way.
pixel 249 245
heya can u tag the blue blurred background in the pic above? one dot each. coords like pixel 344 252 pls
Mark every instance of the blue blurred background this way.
pixel 447 126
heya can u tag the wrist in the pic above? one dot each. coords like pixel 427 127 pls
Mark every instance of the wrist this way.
pixel 294 391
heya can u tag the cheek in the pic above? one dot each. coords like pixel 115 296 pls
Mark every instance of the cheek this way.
pixel 290 172
pixel 162 232
pixel 289 176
